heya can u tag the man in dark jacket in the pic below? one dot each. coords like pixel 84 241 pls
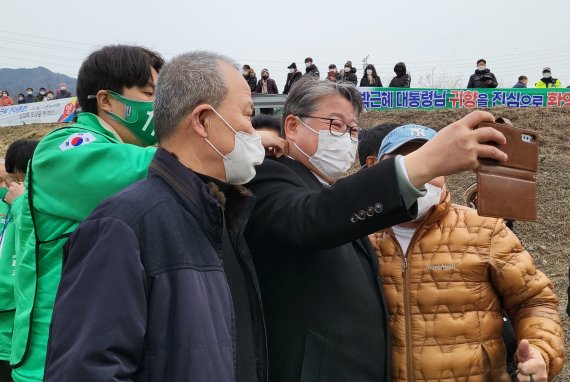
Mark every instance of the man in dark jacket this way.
pixel 482 78
pixel 159 280
pixel 41 95
pixel 293 76
pixel 266 85
pixel 62 92
pixel 323 303
pixel 311 69
pixel 523 80
pixel 29 98
pixel 250 77
pixel 402 79
pixel 349 73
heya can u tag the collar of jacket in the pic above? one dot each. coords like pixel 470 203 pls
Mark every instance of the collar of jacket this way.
pixel 92 122
pixel 203 196
pixel 439 211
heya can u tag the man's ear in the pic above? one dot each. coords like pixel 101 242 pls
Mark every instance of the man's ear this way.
pixel 104 100
pixel 371 160
pixel 291 127
pixel 199 120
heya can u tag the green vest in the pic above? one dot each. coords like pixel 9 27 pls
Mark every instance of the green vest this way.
pixel 7 271
pixel 73 169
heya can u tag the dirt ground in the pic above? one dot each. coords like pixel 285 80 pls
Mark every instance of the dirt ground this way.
pixel 548 240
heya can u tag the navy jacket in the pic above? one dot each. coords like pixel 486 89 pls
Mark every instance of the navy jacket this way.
pixel 479 79
pixel 323 301
pixel 143 294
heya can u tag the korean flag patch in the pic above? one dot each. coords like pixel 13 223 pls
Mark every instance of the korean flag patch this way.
pixel 76 140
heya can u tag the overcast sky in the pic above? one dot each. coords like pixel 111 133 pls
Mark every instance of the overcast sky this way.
pixel 439 37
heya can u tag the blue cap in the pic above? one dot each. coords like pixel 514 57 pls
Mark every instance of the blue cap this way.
pixel 402 135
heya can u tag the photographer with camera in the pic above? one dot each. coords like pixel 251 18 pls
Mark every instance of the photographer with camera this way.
pixel 482 78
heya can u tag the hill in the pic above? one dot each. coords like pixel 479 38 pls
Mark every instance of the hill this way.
pixel 547 240
pixel 17 80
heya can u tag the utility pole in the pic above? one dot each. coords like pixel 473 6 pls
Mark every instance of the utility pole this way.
pixel 365 62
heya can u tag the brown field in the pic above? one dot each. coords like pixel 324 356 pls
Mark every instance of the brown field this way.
pixel 548 240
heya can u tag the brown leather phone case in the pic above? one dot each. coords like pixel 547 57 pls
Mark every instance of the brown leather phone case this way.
pixel 508 189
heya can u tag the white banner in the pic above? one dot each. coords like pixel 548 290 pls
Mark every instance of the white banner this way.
pixel 55 111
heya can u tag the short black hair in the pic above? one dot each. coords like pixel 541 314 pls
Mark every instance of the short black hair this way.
pixel 481 60
pixel 266 121
pixel 370 140
pixel 308 59
pixel 32 89
pixel 114 68
pixel 522 78
pixel 18 155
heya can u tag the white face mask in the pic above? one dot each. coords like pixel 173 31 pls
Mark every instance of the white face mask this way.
pixel 307 64
pixel 291 70
pixel 347 69
pixel 482 67
pixel 334 155
pixel 248 152
pixel 369 72
pixel 430 199
pixel 546 75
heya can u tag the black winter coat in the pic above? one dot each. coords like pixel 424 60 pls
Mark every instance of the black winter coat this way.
pixel 350 77
pixel 144 292
pixel 251 81
pixel 312 70
pixel 479 79
pixel 365 82
pixel 291 79
pixel 401 82
pixel 323 301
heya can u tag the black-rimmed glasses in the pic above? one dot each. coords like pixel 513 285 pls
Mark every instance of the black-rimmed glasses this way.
pixel 337 127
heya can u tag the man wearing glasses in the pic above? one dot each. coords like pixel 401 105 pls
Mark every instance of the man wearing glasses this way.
pixel 325 312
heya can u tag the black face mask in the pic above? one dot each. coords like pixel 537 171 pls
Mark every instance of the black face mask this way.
pixel 265 77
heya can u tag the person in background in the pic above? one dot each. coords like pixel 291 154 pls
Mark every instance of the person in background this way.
pixel 29 98
pixel 49 96
pixel 41 95
pixel 16 162
pixel 447 275
pixel 369 142
pixel 5 99
pixel 523 80
pixel 311 69
pixel 402 79
pixel 266 85
pixel 293 76
pixel 333 75
pixel 250 77
pixel 349 73
pixel 71 172
pixel 21 98
pixel 482 78
pixel 370 78
pixel 547 81
pixel 62 92
pixel 267 123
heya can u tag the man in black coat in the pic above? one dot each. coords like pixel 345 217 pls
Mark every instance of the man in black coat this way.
pixel 311 69
pixel 349 73
pixel 293 76
pixel 325 313
pixel 482 78
pixel 402 79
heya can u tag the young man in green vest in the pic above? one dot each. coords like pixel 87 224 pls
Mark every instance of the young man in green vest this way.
pixel 73 169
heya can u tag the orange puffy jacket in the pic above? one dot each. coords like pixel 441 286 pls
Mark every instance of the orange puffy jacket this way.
pixel 445 300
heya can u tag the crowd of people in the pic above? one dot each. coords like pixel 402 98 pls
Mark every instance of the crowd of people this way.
pixel 30 97
pixel 481 78
pixel 168 236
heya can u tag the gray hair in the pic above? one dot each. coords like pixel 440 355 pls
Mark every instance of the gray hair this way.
pixel 306 94
pixel 187 81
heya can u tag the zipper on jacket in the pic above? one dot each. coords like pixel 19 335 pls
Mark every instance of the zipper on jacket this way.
pixel 407 315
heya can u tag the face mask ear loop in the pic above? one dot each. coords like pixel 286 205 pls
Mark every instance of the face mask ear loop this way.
pixel 228 125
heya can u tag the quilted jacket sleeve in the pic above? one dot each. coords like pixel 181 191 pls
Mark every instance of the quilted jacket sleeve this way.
pixel 528 297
